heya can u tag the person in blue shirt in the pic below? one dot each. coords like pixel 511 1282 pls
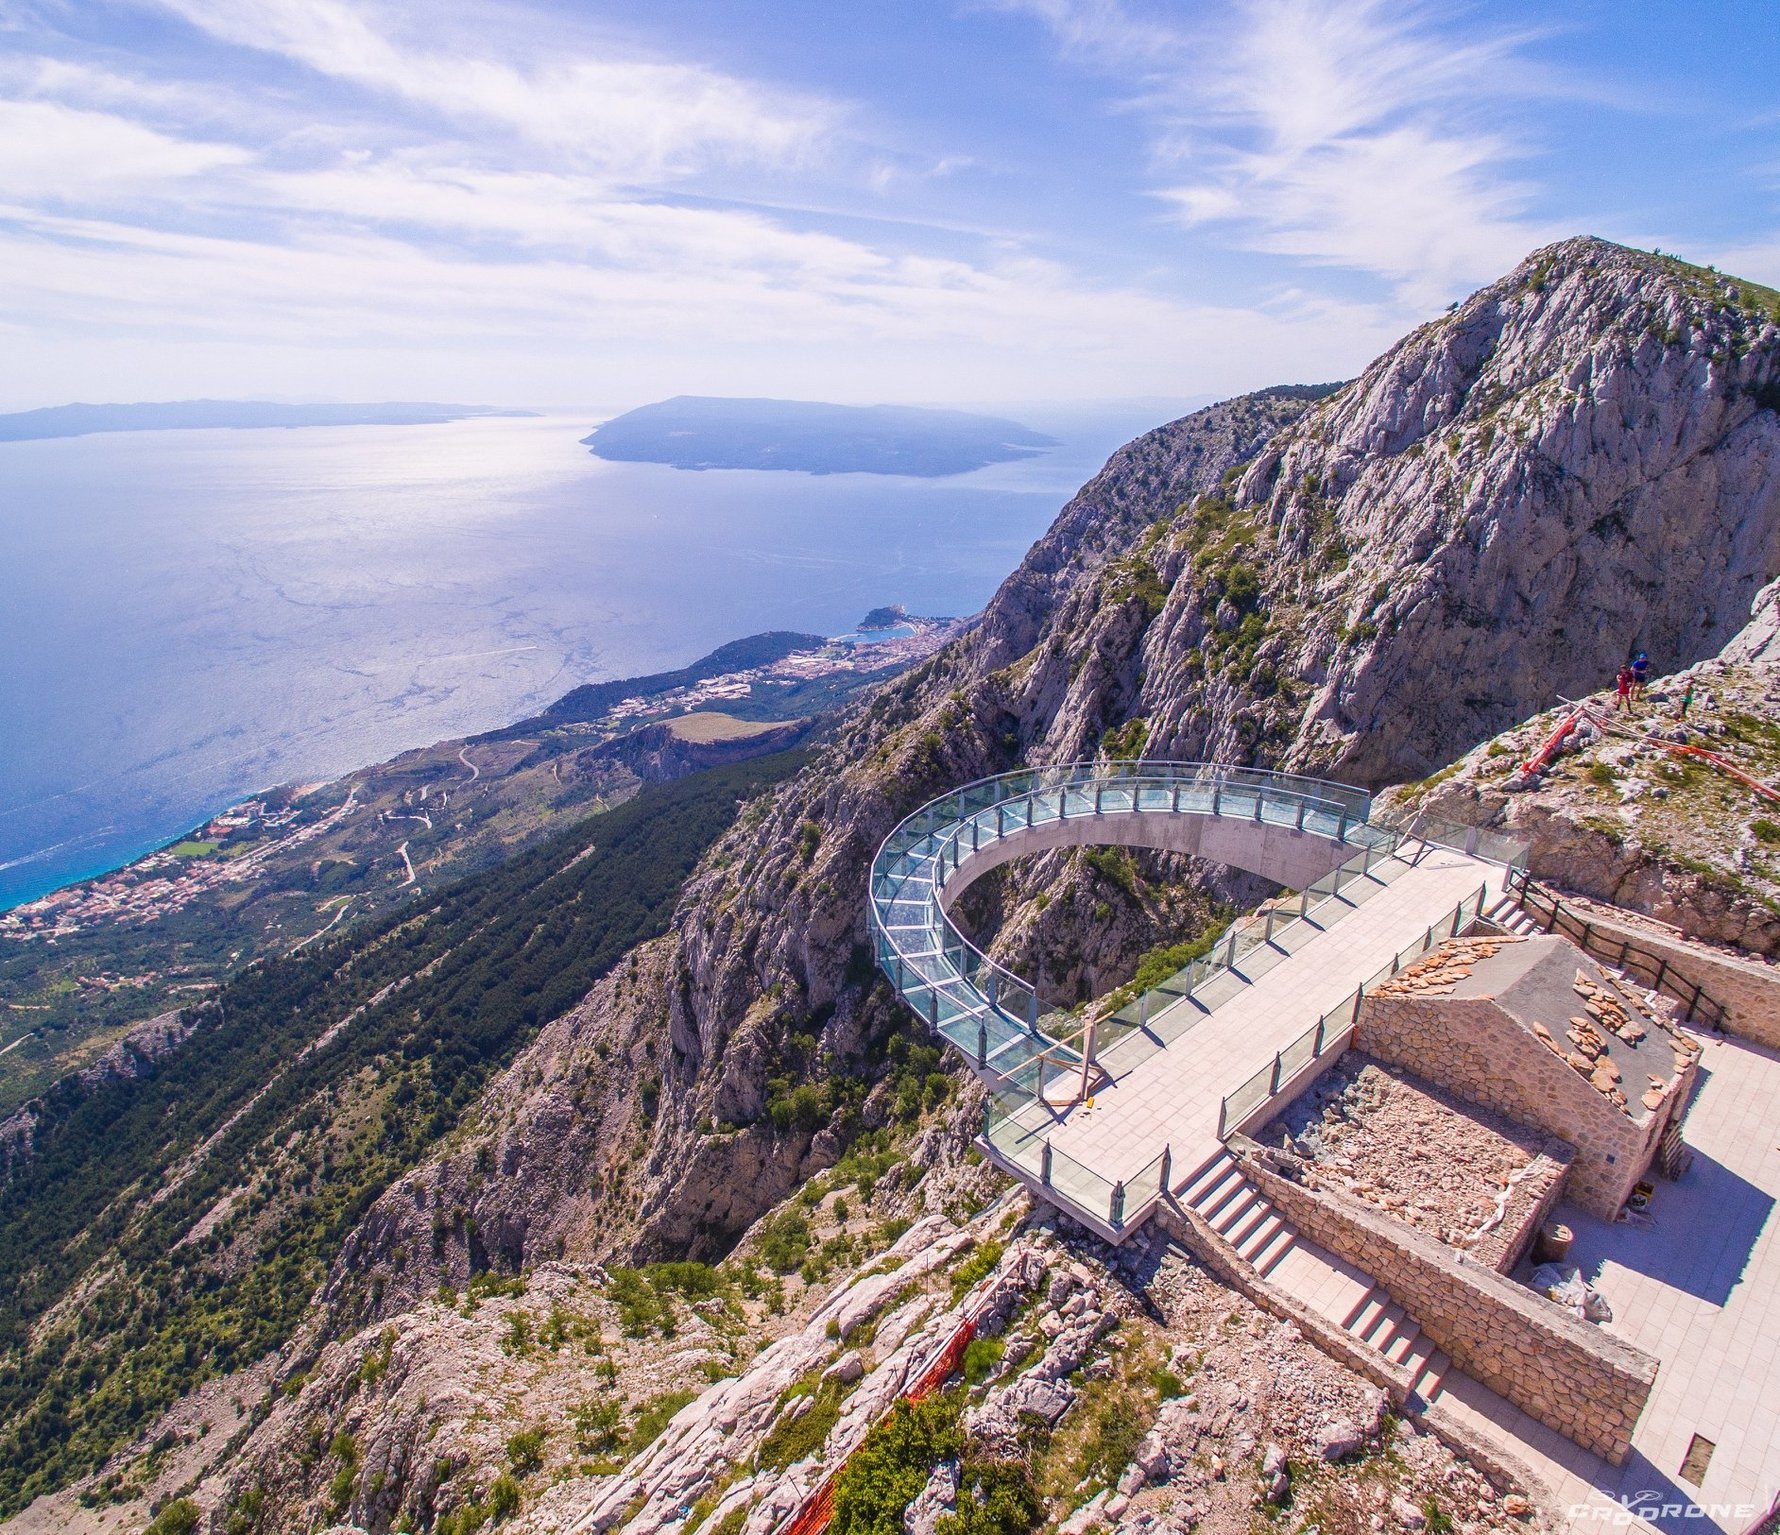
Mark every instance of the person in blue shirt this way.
pixel 1640 673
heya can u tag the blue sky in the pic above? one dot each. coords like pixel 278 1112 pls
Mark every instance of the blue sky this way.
pixel 988 200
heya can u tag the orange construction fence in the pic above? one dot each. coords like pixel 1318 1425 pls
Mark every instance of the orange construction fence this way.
pixel 815 1512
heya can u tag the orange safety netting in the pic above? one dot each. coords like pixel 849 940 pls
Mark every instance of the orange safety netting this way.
pixel 815 1512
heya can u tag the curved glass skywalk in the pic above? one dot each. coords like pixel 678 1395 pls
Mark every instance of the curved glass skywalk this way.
pixel 995 1017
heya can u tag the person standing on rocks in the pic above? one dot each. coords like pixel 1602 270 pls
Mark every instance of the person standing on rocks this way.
pixel 1624 684
pixel 1640 674
pixel 1686 699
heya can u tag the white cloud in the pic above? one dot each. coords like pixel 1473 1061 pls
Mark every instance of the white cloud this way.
pixel 635 120
pixel 1347 133
pixel 526 214
pixel 61 153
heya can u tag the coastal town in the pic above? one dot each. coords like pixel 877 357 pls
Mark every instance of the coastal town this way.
pixel 278 828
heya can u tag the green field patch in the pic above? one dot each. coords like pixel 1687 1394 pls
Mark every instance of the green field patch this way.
pixel 705 727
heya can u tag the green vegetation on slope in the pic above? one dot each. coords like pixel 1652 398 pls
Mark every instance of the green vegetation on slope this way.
pixel 285 1141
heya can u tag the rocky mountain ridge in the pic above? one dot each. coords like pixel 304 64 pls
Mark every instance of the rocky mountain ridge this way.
pixel 1366 581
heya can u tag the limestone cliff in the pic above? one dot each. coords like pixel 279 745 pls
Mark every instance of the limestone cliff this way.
pixel 1580 459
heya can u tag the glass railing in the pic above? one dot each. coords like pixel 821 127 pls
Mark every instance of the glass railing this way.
pixel 1333 1032
pixel 951 982
pixel 998 1021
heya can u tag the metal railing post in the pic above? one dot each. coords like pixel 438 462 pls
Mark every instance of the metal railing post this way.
pixel 1304 903
pixel 1217 796
pixel 1359 997
pixel 1341 826
pixel 1258 803
pixel 1044 1160
pixel 1032 1010
pixel 1166 1169
pixel 1099 789
pixel 1317 1048
pixel 933 1008
pixel 1230 948
pixel 1303 805
pixel 1029 797
pixel 1273 1080
pixel 1223 1118
pixel 1267 935
pixel 1115 1208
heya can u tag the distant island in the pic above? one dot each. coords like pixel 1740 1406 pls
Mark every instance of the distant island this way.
pixel 699 432
pixel 80 420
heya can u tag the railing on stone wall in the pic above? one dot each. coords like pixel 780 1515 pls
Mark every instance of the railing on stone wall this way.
pixel 1334 1031
pixel 1650 968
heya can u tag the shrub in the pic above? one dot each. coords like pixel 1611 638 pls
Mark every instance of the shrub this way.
pixel 981 1356
pixel 653 1416
pixel 887 1472
pixel 180 1517
pixel 1765 830
pixel 503 1497
pixel 525 1451
pixel 977 1266
pixel 1110 1444
pixel 596 1423
pixel 640 1304
pixel 785 1242
pixel 791 1439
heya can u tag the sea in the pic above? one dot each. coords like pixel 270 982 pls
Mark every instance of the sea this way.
pixel 189 616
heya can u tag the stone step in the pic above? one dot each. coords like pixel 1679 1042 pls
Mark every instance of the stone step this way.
pixel 1259 1235
pixel 1278 1245
pixel 1399 1348
pixel 1251 1221
pixel 1206 1179
pixel 1234 1210
pixel 1383 1327
pixel 1432 1380
pixel 1420 1352
pixel 1367 1310
pixel 1230 1183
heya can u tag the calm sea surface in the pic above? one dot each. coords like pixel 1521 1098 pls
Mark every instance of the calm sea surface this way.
pixel 188 616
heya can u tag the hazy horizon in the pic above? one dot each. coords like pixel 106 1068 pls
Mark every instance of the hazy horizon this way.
pixel 947 203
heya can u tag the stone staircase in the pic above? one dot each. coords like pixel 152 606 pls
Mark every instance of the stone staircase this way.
pixel 1508 915
pixel 1259 1234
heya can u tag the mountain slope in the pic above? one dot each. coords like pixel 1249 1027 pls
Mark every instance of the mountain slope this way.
pixel 1367 582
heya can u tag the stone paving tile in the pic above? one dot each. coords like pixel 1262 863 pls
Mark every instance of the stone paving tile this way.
pixel 1699 1291
pixel 1173 1097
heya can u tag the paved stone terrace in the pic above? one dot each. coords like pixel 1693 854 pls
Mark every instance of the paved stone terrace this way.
pixel 1172 1097
pixel 1701 1291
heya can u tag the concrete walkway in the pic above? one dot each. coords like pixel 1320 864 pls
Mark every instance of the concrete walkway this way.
pixel 1173 1097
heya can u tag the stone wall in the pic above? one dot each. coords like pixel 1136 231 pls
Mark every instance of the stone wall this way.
pixel 1474 1048
pixel 1748 989
pixel 1540 1186
pixel 1587 1385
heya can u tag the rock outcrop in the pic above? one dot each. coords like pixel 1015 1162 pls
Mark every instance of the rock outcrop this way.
pixel 1582 457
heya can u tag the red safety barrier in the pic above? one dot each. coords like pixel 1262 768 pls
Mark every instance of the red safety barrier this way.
pixel 934 1376
pixel 815 1512
pixel 817 1509
pixel 1723 766
pixel 1537 761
